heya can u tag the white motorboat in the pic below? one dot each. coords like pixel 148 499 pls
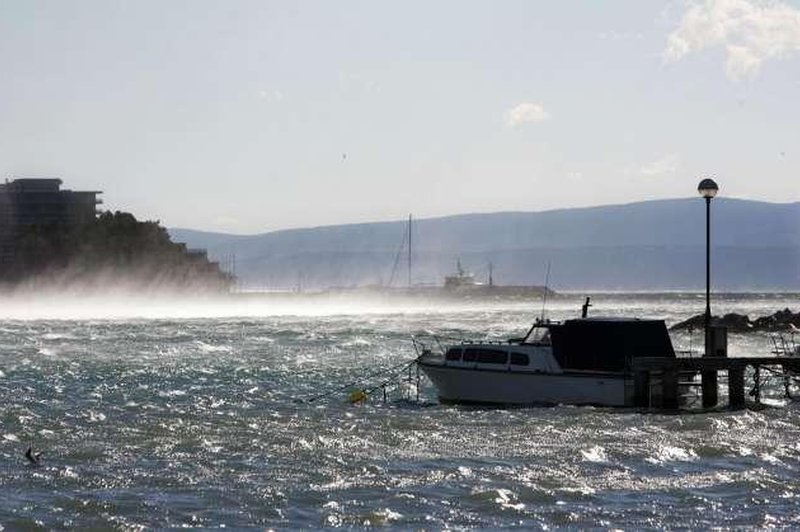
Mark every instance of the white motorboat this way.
pixel 583 361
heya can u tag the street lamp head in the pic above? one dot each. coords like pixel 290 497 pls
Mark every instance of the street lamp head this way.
pixel 707 188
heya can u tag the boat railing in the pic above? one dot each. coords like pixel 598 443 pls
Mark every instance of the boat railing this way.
pixel 783 345
pixel 484 342
pixel 451 340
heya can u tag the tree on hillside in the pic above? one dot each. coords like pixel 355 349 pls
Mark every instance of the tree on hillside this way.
pixel 115 248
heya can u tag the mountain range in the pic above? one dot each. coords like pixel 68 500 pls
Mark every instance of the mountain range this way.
pixel 651 245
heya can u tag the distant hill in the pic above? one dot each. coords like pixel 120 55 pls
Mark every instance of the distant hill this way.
pixel 653 245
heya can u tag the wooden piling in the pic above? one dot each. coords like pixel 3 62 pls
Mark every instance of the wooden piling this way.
pixel 736 387
pixel 670 388
pixel 757 384
pixel 641 388
pixel 670 368
pixel 709 386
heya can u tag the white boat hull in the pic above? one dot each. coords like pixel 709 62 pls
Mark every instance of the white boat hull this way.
pixel 488 386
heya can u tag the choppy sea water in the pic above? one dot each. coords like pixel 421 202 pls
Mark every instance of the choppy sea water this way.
pixel 199 417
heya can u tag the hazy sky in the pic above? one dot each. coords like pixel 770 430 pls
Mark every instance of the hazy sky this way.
pixel 252 116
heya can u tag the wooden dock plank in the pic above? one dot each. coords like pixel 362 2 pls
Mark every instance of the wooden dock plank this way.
pixel 669 368
pixel 712 363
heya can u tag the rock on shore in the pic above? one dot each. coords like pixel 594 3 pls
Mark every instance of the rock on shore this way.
pixel 782 320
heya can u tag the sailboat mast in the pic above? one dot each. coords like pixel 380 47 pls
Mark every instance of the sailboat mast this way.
pixel 546 289
pixel 409 251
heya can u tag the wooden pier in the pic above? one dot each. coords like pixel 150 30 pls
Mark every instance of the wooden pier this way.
pixel 665 375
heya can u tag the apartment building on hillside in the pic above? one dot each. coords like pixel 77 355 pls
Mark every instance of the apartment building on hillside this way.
pixel 28 202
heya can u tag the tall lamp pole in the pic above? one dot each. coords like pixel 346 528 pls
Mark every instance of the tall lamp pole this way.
pixel 708 189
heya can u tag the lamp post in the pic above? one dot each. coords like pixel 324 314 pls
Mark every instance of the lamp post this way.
pixel 708 189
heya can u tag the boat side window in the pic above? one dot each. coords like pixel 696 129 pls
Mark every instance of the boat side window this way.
pixel 519 359
pixel 453 354
pixel 492 356
pixel 470 355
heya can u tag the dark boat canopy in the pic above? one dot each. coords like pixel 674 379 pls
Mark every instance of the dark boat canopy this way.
pixel 608 344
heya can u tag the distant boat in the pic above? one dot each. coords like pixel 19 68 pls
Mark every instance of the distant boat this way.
pixel 461 279
pixel 583 361
pixel 404 244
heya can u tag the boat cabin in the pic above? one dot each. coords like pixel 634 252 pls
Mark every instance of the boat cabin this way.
pixel 602 344
pixel 606 345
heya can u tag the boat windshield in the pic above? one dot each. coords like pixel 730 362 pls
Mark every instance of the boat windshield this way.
pixel 538 335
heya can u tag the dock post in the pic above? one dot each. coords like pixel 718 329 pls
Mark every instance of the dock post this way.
pixel 736 386
pixel 716 346
pixel 669 383
pixel 641 388
pixel 709 385
pixel 757 384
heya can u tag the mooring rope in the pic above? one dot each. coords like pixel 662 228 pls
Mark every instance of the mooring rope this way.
pixel 403 365
pixel 392 378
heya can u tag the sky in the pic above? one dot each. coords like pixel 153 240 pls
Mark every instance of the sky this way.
pixel 252 116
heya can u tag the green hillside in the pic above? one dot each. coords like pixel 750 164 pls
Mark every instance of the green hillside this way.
pixel 114 251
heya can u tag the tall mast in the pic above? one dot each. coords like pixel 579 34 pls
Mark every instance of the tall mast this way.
pixel 409 251
pixel 546 284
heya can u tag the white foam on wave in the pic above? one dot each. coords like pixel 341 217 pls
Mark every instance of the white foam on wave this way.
pixel 68 472
pixel 771 459
pixel 594 454
pixel 95 417
pixel 208 348
pixel 358 341
pixel 172 393
pixel 301 442
pixel 507 499
pixel 387 514
pixel 55 336
pixel 670 453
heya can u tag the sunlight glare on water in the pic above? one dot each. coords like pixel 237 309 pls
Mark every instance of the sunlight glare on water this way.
pixel 162 417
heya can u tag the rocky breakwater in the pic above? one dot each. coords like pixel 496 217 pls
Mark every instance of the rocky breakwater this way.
pixel 781 321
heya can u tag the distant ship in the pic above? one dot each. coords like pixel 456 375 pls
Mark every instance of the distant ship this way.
pixel 461 279
pixel 458 286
